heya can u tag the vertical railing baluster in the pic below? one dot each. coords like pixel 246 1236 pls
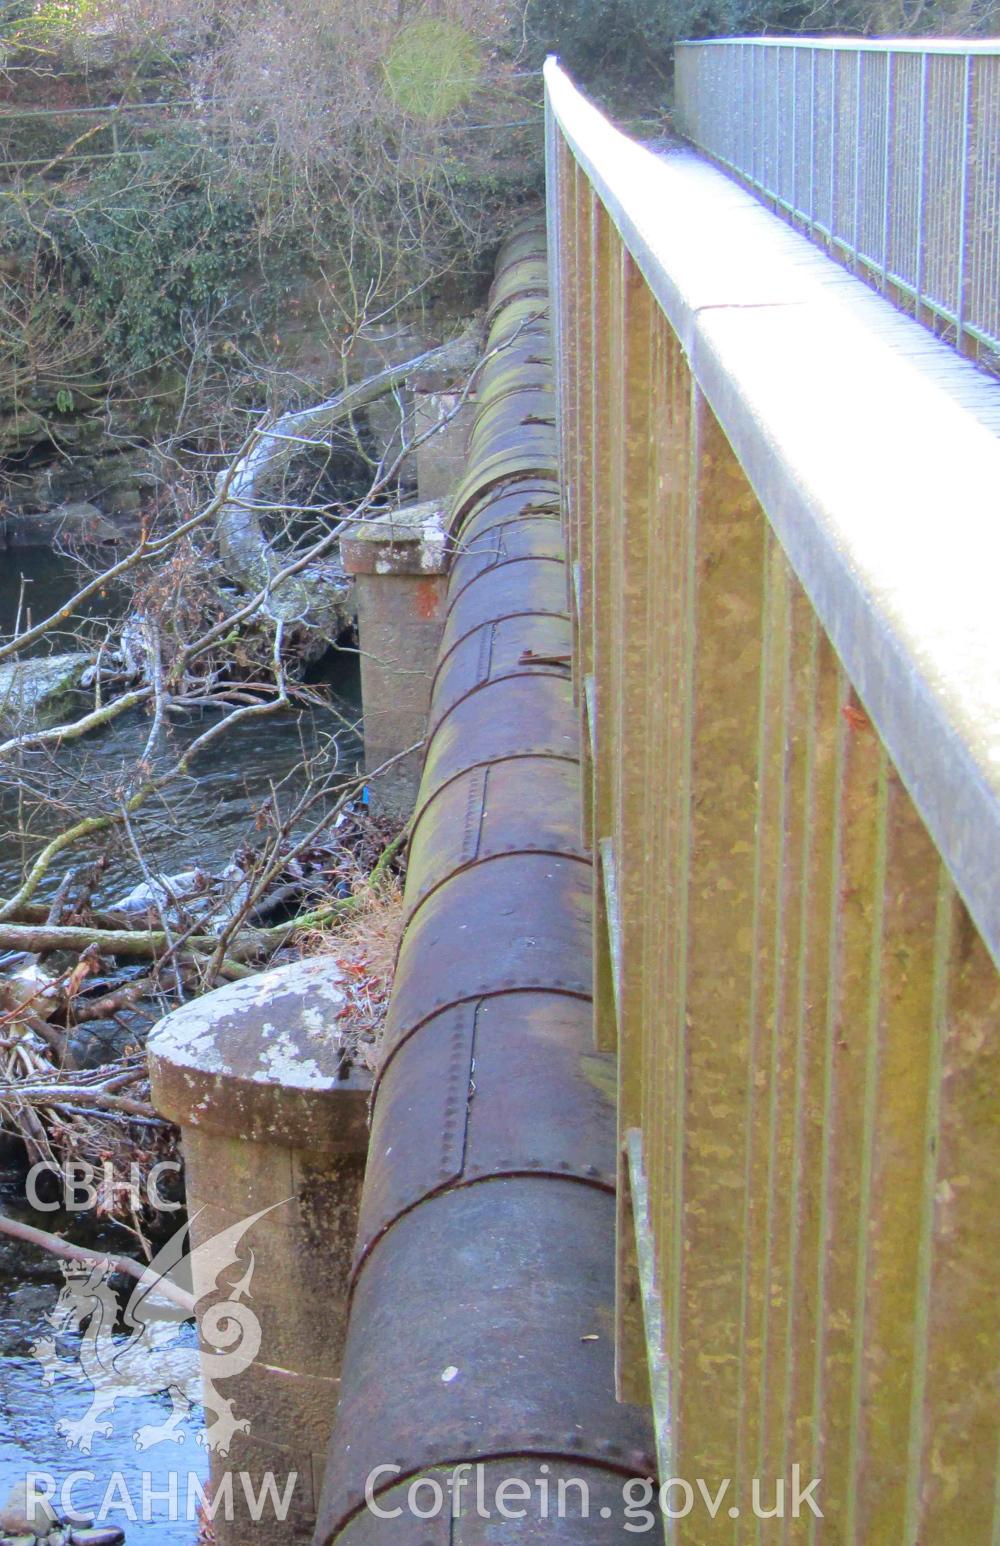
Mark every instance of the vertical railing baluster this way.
pixel 921 184
pixel 860 183
pixel 834 139
pixel 734 98
pixel 793 201
pixel 812 140
pixel 963 212
pixel 887 164
pixel 803 1007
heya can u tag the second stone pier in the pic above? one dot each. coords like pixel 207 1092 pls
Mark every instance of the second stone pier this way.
pixel 400 568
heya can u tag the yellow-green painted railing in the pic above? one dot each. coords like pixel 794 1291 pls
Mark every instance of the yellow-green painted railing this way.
pixel 782 519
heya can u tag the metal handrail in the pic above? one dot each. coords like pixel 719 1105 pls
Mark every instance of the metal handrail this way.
pixel 887 151
pixel 780 512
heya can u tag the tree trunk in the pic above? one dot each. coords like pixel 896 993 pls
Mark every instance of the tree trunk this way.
pixel 317 597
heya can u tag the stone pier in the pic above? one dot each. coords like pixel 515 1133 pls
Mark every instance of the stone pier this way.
pixel 442 422
pixel 400 568
pixel 274 1130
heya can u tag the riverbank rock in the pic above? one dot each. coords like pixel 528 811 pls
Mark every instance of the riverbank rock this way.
pixel 39 686
pixel 30 1520
pixel 27 1516
pixel 77 521
pixel 38 495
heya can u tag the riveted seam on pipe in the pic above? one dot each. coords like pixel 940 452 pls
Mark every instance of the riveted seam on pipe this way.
pixel 525 756
pixel 501 617
pixel 567 989
pixel 547 851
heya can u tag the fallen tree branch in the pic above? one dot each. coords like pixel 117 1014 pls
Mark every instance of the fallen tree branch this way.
pixel 246 553
pixel 31 740
pixel 54 1038
pixel 29 1235
pixel 74 1095
pixel 110 1004
pixel 91 825
pixel 133 944
pixel 38 912
pixel 274 447
pixel 277 934
pixel 390 851
pixel 146 548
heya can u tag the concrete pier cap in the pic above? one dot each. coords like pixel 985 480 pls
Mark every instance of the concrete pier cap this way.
pixel 409 541
pixel 274 1124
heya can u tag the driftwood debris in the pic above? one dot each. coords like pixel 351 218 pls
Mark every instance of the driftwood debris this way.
pixel 167 939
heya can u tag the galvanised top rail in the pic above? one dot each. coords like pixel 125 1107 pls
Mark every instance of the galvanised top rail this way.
pixel 888 151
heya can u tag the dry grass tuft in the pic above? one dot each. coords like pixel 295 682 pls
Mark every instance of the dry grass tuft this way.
pixel 364 943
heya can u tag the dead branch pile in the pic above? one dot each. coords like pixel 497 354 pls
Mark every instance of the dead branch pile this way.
pixel 336 889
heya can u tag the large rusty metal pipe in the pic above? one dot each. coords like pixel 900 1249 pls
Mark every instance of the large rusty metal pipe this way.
pixel 481 1326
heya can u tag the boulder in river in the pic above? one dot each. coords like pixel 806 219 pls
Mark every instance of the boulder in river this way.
pixel 39 686
pixel 30 1516
pixel 77 520
pixel 28 1519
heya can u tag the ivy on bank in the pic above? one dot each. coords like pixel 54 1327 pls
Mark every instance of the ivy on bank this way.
pixel 138 251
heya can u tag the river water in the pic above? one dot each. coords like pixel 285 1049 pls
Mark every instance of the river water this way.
pixel 203 820
pixel 112 1477
pixel 203 824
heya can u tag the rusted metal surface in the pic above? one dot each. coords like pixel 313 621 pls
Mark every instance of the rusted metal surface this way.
pixel 494 516
pixel 521 317
pixel 502 1282
pixel 520 921
pixel 516 423
pixel 527 716
pixel 526 240
pixel 521 375
pixel 491 1077
pixel 514 431
pixel 526 276
pixel 506 464
pixel 522 370
pixel 482 1318
pixel 497 652
pixel 530 537
pixel 522 587
pixel 521 805
pixel 507 501
pixel 514 454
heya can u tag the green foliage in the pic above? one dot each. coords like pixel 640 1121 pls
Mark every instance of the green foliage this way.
pixel 40 27
pixel 13 16
pixel 339 162
pixel 144 249
pixel 433 68
pixel 57 16
pixel 162 245
pixel 599 40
